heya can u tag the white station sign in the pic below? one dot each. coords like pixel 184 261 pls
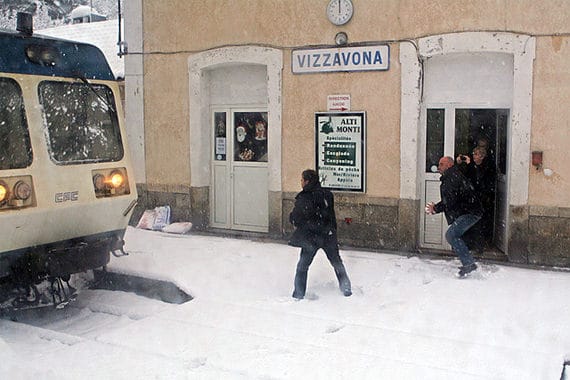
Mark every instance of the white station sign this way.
pixel 354 58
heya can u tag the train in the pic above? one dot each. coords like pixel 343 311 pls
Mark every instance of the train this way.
pixel 66 179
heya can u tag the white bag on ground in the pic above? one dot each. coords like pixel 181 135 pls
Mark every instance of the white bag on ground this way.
pixel 178 228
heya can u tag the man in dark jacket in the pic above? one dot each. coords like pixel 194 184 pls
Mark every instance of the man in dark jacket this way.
pixel 462 209
pixel 315 222
pixel 482 173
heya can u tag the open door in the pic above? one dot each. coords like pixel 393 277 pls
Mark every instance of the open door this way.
pixel 501 199
pixel 451 130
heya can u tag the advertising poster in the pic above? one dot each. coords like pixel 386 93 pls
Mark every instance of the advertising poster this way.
pixel 340 150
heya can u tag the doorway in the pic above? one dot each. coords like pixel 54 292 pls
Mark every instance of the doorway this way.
pixel 454 130
pixel 239 188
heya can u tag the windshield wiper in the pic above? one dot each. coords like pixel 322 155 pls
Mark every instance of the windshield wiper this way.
pixel 90 85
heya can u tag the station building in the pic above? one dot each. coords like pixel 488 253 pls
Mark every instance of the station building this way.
pixel 228 101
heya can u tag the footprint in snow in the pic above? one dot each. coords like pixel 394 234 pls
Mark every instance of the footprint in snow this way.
pixel 333 329
pixel 197 362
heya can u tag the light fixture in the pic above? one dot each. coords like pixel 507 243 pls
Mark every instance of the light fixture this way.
pixel 341 39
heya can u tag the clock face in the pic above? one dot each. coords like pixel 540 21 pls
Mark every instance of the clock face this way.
pixel 339 12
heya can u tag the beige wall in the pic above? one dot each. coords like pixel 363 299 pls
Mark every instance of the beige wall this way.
pixel 182 27
pixel 551 122
pixel 376 93
pixel 166 114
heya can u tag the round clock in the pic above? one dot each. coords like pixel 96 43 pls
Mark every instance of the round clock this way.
pixel 340 12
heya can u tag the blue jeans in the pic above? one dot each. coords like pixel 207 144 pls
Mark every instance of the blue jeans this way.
pixel 454 236
pixel 308 252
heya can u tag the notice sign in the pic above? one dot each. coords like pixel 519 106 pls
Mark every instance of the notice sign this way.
pixel 339 103
pixel 340 150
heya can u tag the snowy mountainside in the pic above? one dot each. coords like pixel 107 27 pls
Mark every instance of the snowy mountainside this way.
pixel 51 13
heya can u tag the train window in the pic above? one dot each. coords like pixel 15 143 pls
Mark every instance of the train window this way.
pixel 15 147
pixel 82 125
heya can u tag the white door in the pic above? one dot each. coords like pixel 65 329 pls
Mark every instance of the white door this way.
pixel 451 130
pixel 239 169
pixel 438 137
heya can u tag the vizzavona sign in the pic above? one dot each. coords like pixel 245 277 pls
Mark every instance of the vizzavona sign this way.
pixel 355 58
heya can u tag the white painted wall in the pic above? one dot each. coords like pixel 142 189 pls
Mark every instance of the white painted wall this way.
pixel 134 86
pixel 237 85
pixel 472 78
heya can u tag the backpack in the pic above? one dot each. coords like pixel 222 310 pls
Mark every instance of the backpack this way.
pixel 324 212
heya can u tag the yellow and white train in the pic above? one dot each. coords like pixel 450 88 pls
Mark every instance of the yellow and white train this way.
pixel 66 185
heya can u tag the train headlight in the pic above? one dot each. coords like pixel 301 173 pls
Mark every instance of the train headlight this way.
pixel 43 55
pixel 22 190
pixel 110 182
pixel 16 192
pixel 117 179
pixel 99 182
pixel 3 191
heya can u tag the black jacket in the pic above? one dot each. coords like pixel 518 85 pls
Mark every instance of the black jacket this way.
pixel 313 216
pixel 483 178
pixel 457 196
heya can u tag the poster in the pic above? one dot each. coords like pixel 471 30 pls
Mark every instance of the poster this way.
pixel 340 148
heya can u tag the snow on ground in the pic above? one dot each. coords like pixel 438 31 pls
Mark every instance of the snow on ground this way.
pixel 409 318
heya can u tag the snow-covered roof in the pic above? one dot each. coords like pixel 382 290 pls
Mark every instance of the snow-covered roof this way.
pixel 103 34
pixel 83 11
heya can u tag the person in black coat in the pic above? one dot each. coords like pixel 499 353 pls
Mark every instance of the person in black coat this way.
pixel 462 209
pixel 483 175
pixel 315 227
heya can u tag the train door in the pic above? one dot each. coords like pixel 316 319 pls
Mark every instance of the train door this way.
pixel 239 169
pixel 450 130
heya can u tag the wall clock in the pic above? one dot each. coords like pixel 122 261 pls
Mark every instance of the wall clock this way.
pixel 340 12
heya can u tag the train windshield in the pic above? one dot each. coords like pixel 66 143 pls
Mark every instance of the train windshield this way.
pixel 82 125
pixel 15 147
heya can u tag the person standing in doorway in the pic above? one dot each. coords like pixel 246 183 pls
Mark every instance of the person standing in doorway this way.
pixel 482 174
pixel 315 227
pixel 462 209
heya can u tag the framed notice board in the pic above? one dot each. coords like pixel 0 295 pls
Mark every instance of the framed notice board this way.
pixel 340 150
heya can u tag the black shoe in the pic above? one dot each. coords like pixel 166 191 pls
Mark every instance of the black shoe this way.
pixel 297 296
pixel 466 269
pixel 347 292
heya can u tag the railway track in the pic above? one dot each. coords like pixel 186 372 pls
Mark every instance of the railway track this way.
pixel 100 303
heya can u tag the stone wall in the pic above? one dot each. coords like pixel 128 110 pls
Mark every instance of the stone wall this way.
pixel 549 236
pixel 365 222
pixel 539 235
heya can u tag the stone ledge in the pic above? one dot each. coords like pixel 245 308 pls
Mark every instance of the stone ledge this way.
pixel 344 198
pixel 168 188
pixel 549 211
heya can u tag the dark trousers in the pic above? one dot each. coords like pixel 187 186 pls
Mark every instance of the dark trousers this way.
pixel 308 252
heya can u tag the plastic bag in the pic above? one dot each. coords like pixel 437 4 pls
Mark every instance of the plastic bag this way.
pixel 178 228
pixel 162 218
pixel 155 219
pixel 147 220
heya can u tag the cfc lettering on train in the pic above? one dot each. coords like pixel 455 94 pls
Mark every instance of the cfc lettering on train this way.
pixel 67 196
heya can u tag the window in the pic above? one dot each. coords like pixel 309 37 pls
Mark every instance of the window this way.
pixel 82 123
pixel 475 127
pixel 220 140
pixel 250 131
pixel 434 143
pixel 15 146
